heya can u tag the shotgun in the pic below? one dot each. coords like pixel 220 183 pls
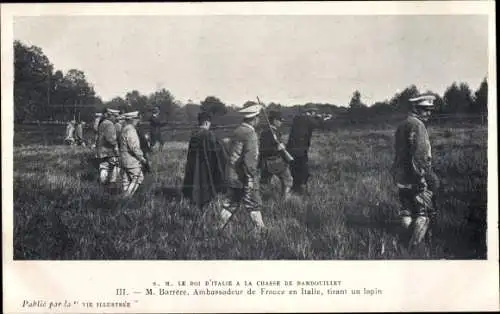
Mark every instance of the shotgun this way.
pixel 286 154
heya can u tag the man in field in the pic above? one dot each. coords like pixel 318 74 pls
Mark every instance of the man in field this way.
pixel 298 145
pixel 69 139
pixel 95 127
pixel 79 139
pixel 204 175
pixel 271 160
pixel 412 169
pixel 132 157
pixel 107 148
pixel 242 170
pixel 156 125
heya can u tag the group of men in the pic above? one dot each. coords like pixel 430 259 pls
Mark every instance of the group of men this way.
pixel 247 154
pixel 242 168
pixel 121 151
pixel 74 133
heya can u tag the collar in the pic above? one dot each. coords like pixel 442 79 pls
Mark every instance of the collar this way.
pixel 248 126
pixel 414 115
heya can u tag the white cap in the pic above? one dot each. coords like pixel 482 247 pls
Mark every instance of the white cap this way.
pixel 423 101
pixel 251 111
pixel 98 114
pixel 131 115
pixel 112 111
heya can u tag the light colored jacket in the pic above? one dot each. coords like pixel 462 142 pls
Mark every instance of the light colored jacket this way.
pixel 70 131
pixel 243 155
pixel 106 139
pixel 413 160
pixel 130 148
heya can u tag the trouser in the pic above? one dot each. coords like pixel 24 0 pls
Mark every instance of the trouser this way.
pixel 131 180
pixel 109 170
pixel 249 198
pixel 156 137
pixel 299 169
pixel 284 176
pixel 417 209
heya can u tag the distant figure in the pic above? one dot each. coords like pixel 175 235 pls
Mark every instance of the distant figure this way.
pixel 107 148
pixel 95 126
pixel 69 139
pixel 156 125
pixel 271 160
pixel 79 139
pixel 131 154
pixel 298 145
pixel 204 174
pixel 242 170
pixel 412 169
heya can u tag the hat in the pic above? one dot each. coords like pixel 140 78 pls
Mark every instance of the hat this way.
pixel 251 111
pixel 112 111
pixel 204 116
pixel 131 115
pixel 275 115
pixel 426 101
pixel 98 114
pixel 156 109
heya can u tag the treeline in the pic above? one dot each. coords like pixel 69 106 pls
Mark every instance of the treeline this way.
pixel 43 93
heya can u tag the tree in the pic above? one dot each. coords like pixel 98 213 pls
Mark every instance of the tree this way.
pixel 213 105
pixel 32 72
pixel 401 101
pixel 136 101
pixel 165 101
pixel 357 108
pixel 481 98
pixel 458 98
pixel 249 103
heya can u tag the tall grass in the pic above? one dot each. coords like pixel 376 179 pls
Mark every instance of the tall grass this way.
pixel 60 212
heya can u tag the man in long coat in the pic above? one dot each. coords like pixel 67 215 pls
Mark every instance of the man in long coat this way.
pixel 242 170
pixel 412 169
pixel 204 174
pixel 156 124
pixel 298 145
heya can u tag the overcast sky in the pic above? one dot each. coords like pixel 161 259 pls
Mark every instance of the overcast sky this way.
pixel 286 59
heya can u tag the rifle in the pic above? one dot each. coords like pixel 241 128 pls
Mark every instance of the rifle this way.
pixel 288 157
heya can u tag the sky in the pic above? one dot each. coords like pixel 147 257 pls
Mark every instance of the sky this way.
pixel 284 59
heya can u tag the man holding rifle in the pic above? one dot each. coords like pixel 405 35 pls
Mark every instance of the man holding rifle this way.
pixel 273 160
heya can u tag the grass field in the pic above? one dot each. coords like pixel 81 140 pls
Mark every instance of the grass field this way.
pixel 60 212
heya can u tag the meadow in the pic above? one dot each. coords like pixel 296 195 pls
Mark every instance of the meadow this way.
pixel 61 213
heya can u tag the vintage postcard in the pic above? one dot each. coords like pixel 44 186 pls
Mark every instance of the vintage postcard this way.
pixel 249 157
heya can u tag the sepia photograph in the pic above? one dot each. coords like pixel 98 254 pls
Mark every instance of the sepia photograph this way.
pixel 250 137
pixel 314 153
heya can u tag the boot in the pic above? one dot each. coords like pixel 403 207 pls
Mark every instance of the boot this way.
pixel 286 193
pixel 420 227
pixel 224 217
pixel 256 217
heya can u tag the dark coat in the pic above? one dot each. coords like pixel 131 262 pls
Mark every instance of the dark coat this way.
pixel 299 139
pixel 205 174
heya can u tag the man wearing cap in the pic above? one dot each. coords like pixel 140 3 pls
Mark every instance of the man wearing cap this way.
pixel 298 145
pixel 242 170
pixel 204 174
pixel 107 148
pixel 132 157
pixel 271 160
pixel 412 169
